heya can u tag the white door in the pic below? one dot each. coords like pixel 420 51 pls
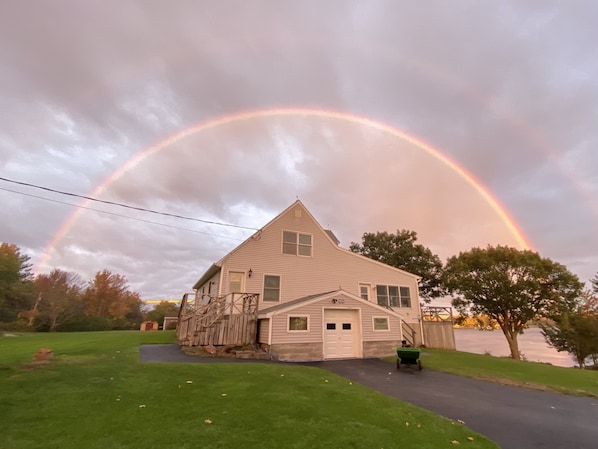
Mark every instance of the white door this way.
pixel 340 333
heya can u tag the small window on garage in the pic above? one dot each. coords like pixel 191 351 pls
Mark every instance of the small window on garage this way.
pixel 381 323
pixel 298 323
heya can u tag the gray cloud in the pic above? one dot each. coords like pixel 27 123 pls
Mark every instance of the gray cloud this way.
pixel 506 90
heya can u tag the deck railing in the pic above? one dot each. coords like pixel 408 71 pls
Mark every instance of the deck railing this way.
pixel 224 320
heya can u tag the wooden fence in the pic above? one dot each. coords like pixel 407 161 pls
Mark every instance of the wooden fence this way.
pixel 438 327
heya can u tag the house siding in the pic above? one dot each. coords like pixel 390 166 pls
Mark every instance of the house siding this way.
pixel 329 268
pixel 263 333
pixel 211 287
pixel 315 312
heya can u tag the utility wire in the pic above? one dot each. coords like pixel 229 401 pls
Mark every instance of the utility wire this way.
pixel 127 206
pixel 120 215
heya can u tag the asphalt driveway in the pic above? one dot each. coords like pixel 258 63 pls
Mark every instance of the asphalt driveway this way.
pixel 513 417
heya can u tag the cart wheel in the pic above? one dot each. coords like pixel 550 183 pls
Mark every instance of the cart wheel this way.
pixel 419 365
pixel 398 364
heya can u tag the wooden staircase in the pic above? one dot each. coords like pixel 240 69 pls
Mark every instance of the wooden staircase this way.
pixel 225 320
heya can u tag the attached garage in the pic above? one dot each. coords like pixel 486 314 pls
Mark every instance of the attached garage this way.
pixel 332 325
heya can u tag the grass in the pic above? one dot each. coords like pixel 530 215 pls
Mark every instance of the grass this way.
pixel 96 394
pixel 513 372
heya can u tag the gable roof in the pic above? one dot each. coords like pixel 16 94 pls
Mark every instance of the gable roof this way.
pixel 299 302
pixel 216 267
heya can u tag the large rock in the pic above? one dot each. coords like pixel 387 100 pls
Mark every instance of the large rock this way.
pixel 210 349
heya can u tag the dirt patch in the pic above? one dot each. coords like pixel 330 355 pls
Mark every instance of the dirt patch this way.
pixel 533 386
pixel 34 365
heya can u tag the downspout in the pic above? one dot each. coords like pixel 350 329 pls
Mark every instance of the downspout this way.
pixel 421 318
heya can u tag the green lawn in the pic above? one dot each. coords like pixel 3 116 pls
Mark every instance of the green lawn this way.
pixel 96 394
pixel 515 372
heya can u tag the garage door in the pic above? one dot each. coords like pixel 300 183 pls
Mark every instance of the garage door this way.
pixel 340 334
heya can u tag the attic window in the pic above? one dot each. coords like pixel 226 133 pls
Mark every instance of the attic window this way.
pixel 296 244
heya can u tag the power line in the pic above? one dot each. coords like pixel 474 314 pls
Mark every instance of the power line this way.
pixel 120 215
pixel 151 211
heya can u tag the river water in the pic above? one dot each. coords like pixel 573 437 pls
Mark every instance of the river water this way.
pixel 531 344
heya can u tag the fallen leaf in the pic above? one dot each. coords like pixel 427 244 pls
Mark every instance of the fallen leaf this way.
pixel 282 375
pixel 142 406
pixel 223 394
pixel 325 380
pixel 419 425
pixel 460 421
pixel 406 423
pixel 207 421
pixel 455 442
pixel 470 438
pixel 189 381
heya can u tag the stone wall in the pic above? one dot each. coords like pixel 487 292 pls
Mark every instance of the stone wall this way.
pixel 296 352
pixel 380 348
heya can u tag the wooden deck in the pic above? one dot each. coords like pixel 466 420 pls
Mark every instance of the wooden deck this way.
pixel 227 320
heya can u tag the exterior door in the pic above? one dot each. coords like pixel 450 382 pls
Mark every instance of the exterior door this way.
pixel 340 333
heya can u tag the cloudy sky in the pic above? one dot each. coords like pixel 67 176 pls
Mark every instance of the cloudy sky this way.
pixel 471 123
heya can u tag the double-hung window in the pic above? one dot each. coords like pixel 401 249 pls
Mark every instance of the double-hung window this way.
pixel 296 243
pixel 364 291
pixel 271 288
pixel 405 297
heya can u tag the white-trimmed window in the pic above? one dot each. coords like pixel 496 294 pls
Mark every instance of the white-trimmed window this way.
pixel 405 297
pixel 393 296
pixel 271 288
pixel 364 291
pixel 387 295
pixel 298 323
pixel 380 323
pixel 296 243
pixel 235 281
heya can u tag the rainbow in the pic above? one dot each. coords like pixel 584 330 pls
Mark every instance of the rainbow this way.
pixel 207 125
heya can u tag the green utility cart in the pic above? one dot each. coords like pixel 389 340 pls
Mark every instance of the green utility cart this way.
pixel 408 356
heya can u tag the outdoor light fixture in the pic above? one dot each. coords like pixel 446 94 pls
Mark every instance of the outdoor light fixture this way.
pixel 250 273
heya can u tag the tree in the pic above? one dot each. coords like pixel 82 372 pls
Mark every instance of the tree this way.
pixel 162 309
pixel 60 295
pixel 108 296
pixel 16 291
pixel 400 250
pixel 511 286
pixel 575 329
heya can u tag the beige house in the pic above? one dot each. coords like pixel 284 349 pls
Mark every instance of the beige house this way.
pixel 313 299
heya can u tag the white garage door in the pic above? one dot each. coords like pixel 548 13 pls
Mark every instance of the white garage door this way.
pixel 340 334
